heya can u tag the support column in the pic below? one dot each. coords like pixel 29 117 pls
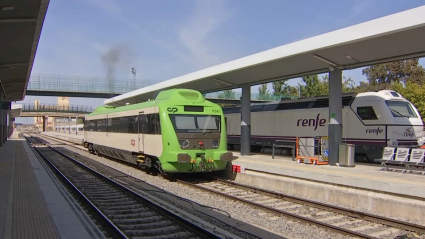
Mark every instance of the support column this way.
pixel 246 121
pixel 8 119
pixel 44 123
pixel 335 115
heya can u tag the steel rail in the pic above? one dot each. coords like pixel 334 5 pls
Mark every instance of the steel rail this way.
pixel 92 205
pixel 349 212
pixel 274 210
pixel 184 221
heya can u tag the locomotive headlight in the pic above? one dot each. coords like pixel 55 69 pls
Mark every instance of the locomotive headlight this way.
pixel 393 142
pixel 184 143
pixel 214 143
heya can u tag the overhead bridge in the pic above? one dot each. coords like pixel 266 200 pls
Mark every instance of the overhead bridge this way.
pixel 100 87
pixel 34 110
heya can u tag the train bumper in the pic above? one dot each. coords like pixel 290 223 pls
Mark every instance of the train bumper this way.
pixel 222 156
pixel 196 161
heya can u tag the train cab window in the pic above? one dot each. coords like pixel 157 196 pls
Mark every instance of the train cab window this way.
pixel 401 108
pixel 366 113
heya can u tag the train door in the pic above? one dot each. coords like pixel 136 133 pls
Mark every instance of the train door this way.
pixel 226 124
pixel 141 131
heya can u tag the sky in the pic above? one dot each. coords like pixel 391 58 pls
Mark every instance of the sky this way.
pixel 164 39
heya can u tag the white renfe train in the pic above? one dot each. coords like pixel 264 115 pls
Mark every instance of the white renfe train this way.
pixel 371 121
pixel 65 128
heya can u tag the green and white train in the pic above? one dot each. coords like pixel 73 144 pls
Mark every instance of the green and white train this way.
pixel 178 132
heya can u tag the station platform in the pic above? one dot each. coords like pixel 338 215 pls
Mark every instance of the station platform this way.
pixel 362 176
pixel 32 202
pixel 364 188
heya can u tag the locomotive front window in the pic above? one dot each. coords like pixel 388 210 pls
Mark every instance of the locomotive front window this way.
pixel 401 108
pixel 196 123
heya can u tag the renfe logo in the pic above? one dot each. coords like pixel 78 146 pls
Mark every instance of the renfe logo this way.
pixel 312 122
pixel 374 131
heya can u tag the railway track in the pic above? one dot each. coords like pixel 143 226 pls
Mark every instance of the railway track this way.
pixel 128 214
pixel 338 219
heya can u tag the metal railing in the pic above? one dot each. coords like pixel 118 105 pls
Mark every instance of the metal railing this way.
pixel 89 84
pixel 83 109
pixel 85 84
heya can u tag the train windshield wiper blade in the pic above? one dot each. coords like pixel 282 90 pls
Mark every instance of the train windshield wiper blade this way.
pixel 395 111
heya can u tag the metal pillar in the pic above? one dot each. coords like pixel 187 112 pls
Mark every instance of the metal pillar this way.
pixel 246 121
pixel 44 123
pixel 8 120
pixel 335 115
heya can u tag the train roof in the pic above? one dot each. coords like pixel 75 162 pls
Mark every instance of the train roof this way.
pixel 174 96
pixel 312 102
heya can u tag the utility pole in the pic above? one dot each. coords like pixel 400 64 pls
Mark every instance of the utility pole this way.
pixel 133 71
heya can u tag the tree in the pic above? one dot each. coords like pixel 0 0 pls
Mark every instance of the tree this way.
pixel 227 94
pixel 386 74
pixel 278 87
pixel 313 86
pixel 263 92
pixel 348 85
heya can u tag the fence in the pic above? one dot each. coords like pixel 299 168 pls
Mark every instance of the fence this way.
pixel 56 108
pixel 87 84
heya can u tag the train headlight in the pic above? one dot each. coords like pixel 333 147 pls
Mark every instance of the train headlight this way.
pixel 184 143
pixel 420 142
pixel 214 143
pixel 392 142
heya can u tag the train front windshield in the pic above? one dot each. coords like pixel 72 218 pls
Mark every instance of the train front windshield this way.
pixel 401 108
pixel 196 123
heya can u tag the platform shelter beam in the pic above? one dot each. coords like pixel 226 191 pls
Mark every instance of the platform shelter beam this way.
pixel 335 115
pixel 246 120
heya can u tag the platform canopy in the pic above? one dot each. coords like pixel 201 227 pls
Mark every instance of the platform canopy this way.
pixel 20 27
pixel 15 110
pixel 395 37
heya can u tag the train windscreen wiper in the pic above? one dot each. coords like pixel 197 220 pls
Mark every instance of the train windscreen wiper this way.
pixel 395 111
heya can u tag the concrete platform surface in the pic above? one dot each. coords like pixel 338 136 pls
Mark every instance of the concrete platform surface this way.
pixel 32 202
pixel 361 176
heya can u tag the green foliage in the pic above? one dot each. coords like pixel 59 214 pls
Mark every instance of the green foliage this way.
pixel 313 86
pixel 382 75
pixel 227 94
pixel 282 89
pixel 263 92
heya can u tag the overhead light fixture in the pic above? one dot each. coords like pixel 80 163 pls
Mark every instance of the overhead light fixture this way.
pixel 7 8
pixel 325 60
pixel 351 58
pixel 222 82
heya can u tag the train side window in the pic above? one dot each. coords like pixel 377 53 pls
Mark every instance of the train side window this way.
pixel 366 113
pixel 132 124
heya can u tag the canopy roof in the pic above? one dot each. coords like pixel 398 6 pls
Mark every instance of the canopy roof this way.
pixel 394 37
